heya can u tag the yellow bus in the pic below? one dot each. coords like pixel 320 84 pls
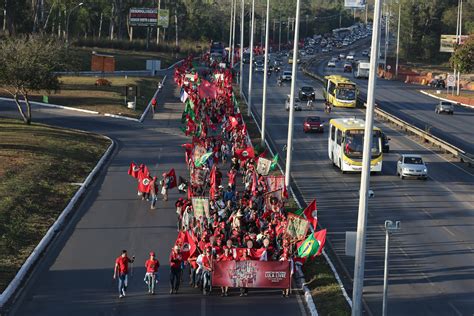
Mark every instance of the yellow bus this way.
pixel 346 142
pixel 340 91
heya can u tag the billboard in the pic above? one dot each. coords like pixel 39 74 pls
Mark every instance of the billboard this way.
pixel 447 42
pixel 163 18
pixel 143 17
pixel 252 274
pixel 351 4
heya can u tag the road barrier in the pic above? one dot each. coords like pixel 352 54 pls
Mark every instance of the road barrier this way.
pixel 426 136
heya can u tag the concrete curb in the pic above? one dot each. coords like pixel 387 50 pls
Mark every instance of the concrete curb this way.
pixel 56 106
pixel 448 100
pixel 57 226
pixel 142 118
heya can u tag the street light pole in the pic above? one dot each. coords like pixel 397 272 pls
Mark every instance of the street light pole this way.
pixel 265 75
pixel 234 6
pixel 289 147
pixel 230 29
pixel 387 33
pixel 242 4
pixel 359 264
pixel 458 42
pixel 249 106
pixel 67 21
pixel 398 37
pixel 389 228
pixel 279 35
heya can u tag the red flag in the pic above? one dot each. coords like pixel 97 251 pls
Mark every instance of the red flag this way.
pixel 254 183
pixel 311 213
pixel 213 182
pixel 144 184
pixel 255 254
pixel 133 170
pixel 171 175
pixel 245 153
pixel 143 172
pixel 186 243
pixel 233 121
pixel 207 90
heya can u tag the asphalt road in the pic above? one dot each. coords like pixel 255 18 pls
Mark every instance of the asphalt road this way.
pixel 75 276
pixel 431 271
pixel 406 102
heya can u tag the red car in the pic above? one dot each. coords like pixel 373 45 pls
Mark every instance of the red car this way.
pixel 313 124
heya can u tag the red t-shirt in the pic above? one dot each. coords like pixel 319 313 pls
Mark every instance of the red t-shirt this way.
pixel 175 260
pixel 122 263
pixel 206 262
pixel 223 257
pixel 152 265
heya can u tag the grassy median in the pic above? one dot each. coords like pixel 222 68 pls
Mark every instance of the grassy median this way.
pixel 40 169
pixel 326 292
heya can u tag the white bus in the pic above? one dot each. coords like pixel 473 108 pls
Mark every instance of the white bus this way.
pixel 346 142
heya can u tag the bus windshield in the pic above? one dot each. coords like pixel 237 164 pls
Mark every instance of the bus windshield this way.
pixel 346 94
pixel 354 144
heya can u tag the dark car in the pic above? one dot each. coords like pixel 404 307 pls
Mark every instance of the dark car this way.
pixel 306 93
pixel 313 124
pixel 246 58
pixel 385 143
pixel 438 83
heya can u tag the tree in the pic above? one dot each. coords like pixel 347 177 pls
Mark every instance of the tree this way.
pixel 463 57
pixel 30 64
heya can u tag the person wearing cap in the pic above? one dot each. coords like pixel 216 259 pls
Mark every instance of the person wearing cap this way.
pixel 151 266
pixel 121 270
pixel 175 269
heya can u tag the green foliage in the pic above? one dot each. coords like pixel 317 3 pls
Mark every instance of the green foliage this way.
pixel 463 57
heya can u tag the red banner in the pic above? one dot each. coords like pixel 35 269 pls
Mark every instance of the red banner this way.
pixel 252 274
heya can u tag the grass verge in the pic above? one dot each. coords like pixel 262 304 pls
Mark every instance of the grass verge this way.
pixel 81 92
pixel 325 289
pixel 40 167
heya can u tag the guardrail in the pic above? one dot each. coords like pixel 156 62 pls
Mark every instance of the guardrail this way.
pixel 427 137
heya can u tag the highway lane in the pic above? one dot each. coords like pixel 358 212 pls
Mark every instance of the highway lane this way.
pixel 430 270
pixel 75 276
pixel 406 102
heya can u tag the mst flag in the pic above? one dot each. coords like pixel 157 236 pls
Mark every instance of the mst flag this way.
pixel 245 153
pixel 171 175
pixel 186 243
pixel 144 184
pixel 311 213
pixel 313 245
pixel 133 170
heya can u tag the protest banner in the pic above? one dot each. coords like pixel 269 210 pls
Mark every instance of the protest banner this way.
pixel 297 227
pixel 252 274
pixel 263 166
pixel 199 151
pixel 201 207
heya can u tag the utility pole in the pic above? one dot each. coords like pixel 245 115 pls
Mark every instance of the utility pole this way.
pixel 157 27
pixel 366 13
pixel 242 4
pixel 359 265
pixel 265 75
pixel 249 105
pixel 279 34
pixel 398 36
pixel 289 146
pixel 390 227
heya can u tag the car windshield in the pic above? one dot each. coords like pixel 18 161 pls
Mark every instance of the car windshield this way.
pixel 345 94
pixel 307 89
pixel 354 144
pixel 446 103
pixel 413 160
pixel 287 73
pixel 313 119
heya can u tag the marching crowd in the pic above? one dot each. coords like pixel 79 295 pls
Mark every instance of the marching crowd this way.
pixel 233 205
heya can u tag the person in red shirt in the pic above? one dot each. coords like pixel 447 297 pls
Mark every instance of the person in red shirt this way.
pixel 207 268
pixel 226 256
pixel 176 261
pixel 121 270
pixel 151 266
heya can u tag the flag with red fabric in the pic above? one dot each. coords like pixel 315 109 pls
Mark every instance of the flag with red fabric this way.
pixel 311 213
pixel 133 170
pixel 245 153
pixel 144 184
pixel 143 172
pixel 171 175
pixel 186 243
pixel 213 182
pixel 207 90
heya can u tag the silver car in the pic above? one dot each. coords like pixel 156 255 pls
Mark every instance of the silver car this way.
pixel 411 166
pixel 444 106
pixel 297 105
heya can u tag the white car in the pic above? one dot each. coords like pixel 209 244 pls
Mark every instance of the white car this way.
pixel 286 75
pixel 259 67
pixel 297 104
pixel 411 166
pixel 342 56
pixel 350 56
pixel 332 63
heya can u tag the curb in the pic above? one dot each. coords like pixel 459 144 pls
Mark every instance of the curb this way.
pixel 142 118
pixel 55 228
pixel 56 106
pixel 448 100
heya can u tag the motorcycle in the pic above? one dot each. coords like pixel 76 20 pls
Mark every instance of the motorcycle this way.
pixel 279 82
pixel 327 109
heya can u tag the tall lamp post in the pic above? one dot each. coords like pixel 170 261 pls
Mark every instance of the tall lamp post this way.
pixel 398 36
pixel 390 227
pixel 67 20
pixel 242 13
pixel 265 76
pixel 359 264
pixel 249 106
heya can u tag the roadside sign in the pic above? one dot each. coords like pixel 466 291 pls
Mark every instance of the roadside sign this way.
pixel 351 238
pixel 451 80
pixel 163 18
pixel 447 42
pixel 389 67
pixel 359 4
pixel 147 17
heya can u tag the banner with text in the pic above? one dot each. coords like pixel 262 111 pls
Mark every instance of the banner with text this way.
pixel 252 274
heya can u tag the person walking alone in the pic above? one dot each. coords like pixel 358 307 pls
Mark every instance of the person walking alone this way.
pixel 175 269
pixel 121 270
pixel 151 266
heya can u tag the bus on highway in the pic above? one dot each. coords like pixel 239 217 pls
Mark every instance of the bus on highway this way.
pixel 340 91
pixel 346 141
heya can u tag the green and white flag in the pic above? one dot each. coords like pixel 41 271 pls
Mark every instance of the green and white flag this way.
pixel 201 161
pixel 313 245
